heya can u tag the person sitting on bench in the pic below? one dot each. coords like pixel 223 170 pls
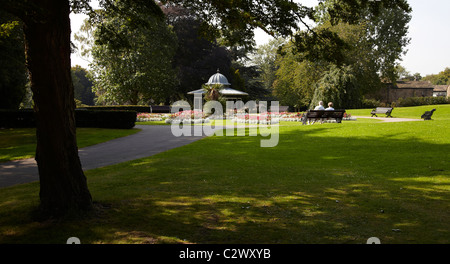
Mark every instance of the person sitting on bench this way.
pixel 330 107
pixel 320 106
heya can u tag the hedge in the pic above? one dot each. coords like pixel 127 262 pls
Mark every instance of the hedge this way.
pixel 17 118
pixel 83 118
pixel 417 101
pixel 404 102
pixel 105 119
pixel 137 108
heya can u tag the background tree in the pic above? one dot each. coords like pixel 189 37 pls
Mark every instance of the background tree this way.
pixel 133 65
pixel 212 91
pixel 264 58
pixel 83 40
pixel 401 72
pixel 355 57
pixel 13 72
pixel 295 78
pixel 82 86
pixel 338 85
pixel 196 57
pixel 381 31
pixel 441 78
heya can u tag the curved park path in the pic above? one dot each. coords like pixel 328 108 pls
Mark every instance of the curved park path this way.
pixel 147 142
pixel 390 119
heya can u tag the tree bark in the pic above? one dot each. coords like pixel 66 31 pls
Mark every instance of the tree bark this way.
pixel 63 184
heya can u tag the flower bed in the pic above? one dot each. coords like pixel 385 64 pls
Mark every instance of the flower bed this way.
pixel 187 117
pixel 145 117
pixel 264 118
pixel 348 117
pixel 196 117
pixel 291 117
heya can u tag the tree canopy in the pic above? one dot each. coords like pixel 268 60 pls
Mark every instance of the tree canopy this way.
pixel 82 86
pixel 13 74
pixel 442 78
pixel 132 62
pixel 343 58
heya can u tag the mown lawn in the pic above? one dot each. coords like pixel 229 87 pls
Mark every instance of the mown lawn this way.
pixel 323 183
pixel 441 112
pixel 20 143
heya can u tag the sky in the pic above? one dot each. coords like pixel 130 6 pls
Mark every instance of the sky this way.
pixel 429 30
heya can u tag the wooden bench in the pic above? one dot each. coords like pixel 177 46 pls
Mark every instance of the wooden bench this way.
pixel 427 115
pixel 382 110
pixel 316 115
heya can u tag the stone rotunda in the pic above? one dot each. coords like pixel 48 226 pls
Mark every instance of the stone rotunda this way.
pixel 226 91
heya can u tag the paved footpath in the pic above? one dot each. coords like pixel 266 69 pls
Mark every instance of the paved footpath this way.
pixel 150 141
pixel 390 119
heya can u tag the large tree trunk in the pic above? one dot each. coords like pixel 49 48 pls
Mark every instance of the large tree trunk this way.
pixel 62 181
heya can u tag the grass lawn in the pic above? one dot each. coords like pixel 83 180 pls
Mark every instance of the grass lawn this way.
pixel 409 112
pixel 323 183
pixel 20 143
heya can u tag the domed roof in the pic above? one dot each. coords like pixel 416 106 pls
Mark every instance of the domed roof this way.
pixel 218 78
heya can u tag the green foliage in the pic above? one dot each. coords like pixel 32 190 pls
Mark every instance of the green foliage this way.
pixel 441 78
pixel 417 101
pixel 105 119
pixel 212 91
pixel 17 118
pixel 296 79
pixel 226 18
pixel 370 103
pixel 380 38
pixel 321 44
pixel 123 119
pixel 82 86
pixel 20 143
pixel 13 73
pixel 385 23
pixel 338 85
pixel 132 57
pixel 265 58
pixel 137 108
pixel 343 57
pixel 196 58
pixel 6 29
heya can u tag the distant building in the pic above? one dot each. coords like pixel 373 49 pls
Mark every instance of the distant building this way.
pixel 404 89
pixel 441 90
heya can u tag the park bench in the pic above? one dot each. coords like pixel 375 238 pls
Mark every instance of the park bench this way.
pixel 159 109
pixel 427 115
pixel 382 110
pixel 322 115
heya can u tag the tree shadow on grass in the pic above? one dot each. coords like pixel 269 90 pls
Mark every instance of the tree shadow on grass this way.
pixel 313 188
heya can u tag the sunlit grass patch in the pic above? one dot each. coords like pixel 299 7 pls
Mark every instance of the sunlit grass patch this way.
pixel 20 143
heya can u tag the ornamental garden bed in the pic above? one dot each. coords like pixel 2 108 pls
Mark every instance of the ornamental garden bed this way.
pixel 198 117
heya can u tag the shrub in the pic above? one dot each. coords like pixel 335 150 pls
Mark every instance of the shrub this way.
pixel 105 119
pixel 417 101
pixel 370 103
pixel 137 108
pixel 17 118
pixel 84 118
